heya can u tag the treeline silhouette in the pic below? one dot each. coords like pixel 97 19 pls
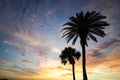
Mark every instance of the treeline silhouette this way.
pixel 4 79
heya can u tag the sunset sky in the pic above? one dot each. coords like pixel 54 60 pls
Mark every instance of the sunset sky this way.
pixel 30 40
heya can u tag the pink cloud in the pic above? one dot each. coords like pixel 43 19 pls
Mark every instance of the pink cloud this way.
pixel 4 62
pixel 27 41
pixel 106 44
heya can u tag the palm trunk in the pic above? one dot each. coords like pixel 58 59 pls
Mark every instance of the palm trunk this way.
pixel 84 62
pixel 73 71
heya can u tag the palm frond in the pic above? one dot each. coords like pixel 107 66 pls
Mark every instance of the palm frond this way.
pixel 98 24
pixel 90 15
pixel 81 15
pixel 69 54
pixel 65 34
pixel 67 28
pixel 63 56
pixel 97 33
pixel 92 37
pixel 64 62
pixel 71 60
pixel 74 40
pixel 87 15
pixel 82 24
pixel 77 55
pixel 100 31
pixel 77 14
pixel 69 37
pixel 73 19
pixel 98 18
pixel 95 17
pixel 70 24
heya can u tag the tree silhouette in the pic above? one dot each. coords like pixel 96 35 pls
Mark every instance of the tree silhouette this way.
pixel 84 26
pixel 70 54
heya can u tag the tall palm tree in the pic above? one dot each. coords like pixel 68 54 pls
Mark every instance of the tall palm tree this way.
pixel 70 54
pixel 84 26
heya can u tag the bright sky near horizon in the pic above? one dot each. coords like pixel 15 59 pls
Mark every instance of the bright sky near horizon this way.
pixel 30 40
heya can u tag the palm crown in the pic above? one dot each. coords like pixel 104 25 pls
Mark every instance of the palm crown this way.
pixel 85 26
pixel 69 54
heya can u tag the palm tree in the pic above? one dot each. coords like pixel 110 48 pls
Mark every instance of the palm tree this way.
pixel 84 26
pixel 70 54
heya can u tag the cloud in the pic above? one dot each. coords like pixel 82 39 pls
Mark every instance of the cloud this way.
pixel 55 50
pixel 106 7
pixel 113 59
pixel 116 37
pixel 64 67
pixel 67 74
pixel 106 44
pixel 111 12
pixel 4 62
pixel 27 41
pixel 99 55
pixel 49 13
pixel 4 29
pixel 95 60
pixel 26 61
pixel 7 51
pixel 39 53
pixel 51 62
pixel 109 60
pixel 25 70
pixel 36 63
pixel 25 54
pixel 48 63
pixel 19 70
pixel 97 51
pixel 27 37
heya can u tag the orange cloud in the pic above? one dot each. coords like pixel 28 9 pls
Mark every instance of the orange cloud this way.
pixel 113 59
pixel 67 74
pixel 109 60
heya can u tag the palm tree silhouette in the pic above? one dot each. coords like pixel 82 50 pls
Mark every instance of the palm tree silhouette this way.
pixel 84 26
pixel 70 54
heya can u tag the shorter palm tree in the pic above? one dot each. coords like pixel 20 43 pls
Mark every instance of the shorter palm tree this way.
pixel 70 54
